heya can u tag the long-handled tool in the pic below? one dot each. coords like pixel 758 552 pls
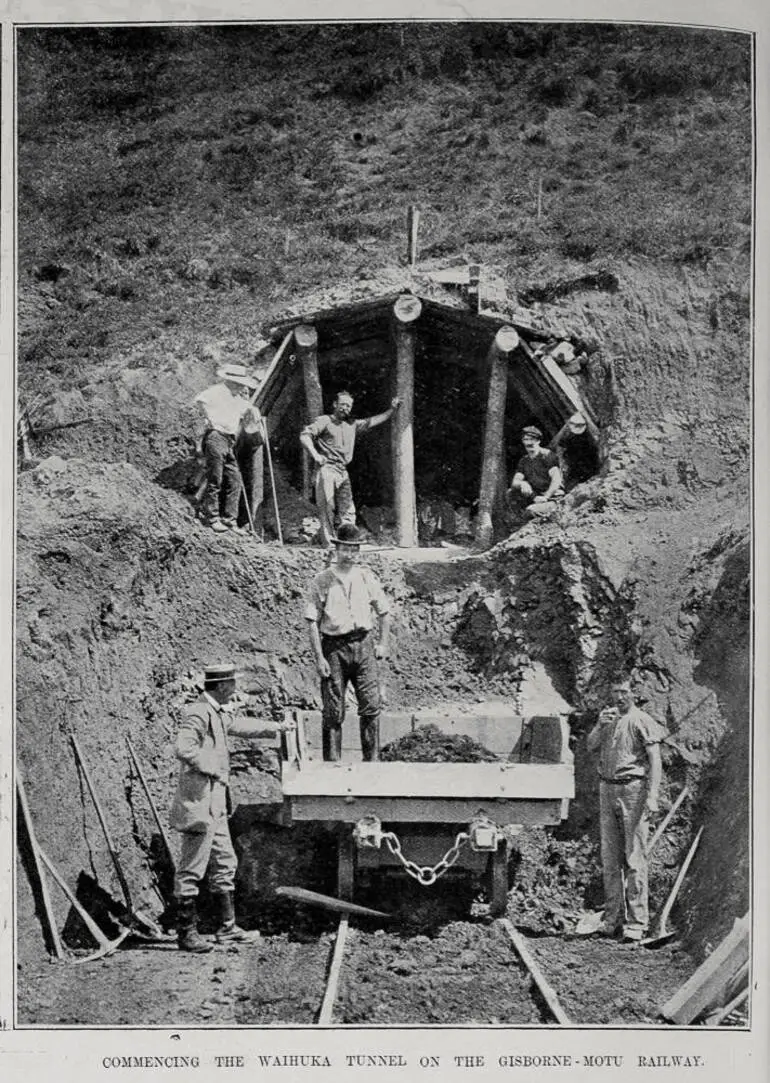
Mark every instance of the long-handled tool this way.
pixel 106 946
pixel 141 925
pixel 272 482
pixel 42 884
pixel 660 931
pixel 666 821
pixel 590 922
pixel 328 902
pixel 153 808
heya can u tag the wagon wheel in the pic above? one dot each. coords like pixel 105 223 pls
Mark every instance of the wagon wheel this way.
pixel 346 864
pixel 498 879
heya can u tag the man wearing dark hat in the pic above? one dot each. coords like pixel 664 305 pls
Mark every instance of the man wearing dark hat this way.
pixel 341 609
pixel 330 442
pixel 627 741
pixel 227 417
pixel 537 482
pixel 199 810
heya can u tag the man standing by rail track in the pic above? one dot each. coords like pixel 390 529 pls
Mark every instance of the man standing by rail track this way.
pixel 343 601
pixel 627 740
pixel 199 811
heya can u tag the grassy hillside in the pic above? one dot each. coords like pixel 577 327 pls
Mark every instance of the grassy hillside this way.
pixel 178 183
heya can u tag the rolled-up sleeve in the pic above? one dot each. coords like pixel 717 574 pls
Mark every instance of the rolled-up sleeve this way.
pixel 650 731
pixel 317 427
pixel 377 596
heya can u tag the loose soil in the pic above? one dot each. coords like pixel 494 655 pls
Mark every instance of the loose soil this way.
pixel 129 299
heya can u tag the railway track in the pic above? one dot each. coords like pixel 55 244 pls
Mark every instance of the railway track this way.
pixel 384 978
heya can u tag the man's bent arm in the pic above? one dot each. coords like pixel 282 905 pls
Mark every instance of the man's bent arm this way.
pixel 315 642
pixel 380 419
pixel 555 483
pixel 656 772
pixel 383 638
pixel 306 439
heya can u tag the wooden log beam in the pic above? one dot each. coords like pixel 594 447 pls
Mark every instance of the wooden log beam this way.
pixel 506 340
pixel 306 339
pixel 711 978
pixel 406 311
pixel 547 992
pixel 412 228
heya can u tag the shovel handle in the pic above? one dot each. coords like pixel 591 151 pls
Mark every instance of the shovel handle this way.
pixel 666 821
pixel 100 814
pixel 153 808
pixel 669 904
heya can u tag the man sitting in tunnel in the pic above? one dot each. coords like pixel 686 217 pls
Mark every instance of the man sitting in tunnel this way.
pixel 576 450
pixel 330 442
pixel 537 483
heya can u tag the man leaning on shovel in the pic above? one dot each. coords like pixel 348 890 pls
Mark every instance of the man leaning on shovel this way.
pixel 199 811
pixel 229 425
pixel 627 740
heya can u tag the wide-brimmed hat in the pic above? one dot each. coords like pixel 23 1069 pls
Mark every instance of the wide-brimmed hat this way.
pixel 532 430
pixel 348 535
pixel 222 672
pixel 577 423
pixel 237 374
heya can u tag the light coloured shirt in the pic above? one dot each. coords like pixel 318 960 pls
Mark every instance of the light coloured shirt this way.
pixel 345 603
pixel 223 410
pixel 623 745
pixel 336 440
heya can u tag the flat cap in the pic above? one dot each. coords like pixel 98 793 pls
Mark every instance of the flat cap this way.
pixel 222 672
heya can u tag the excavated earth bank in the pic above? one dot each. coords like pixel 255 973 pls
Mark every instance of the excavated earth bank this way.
pixel 121 598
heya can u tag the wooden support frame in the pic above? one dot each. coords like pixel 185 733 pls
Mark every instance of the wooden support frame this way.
pixel 406 311
pixel 505 342
pixel 306 340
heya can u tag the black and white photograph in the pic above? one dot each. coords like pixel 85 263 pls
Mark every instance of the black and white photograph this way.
pixel 384 536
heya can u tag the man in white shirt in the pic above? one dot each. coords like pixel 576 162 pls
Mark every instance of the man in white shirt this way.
pixel 225 413
pixel 340 612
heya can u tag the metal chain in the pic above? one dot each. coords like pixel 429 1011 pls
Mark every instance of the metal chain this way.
pixel 426 874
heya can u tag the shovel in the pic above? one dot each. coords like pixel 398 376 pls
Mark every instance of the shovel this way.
pixel 661 933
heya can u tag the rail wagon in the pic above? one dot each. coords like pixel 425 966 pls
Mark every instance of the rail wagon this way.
pixel 423 819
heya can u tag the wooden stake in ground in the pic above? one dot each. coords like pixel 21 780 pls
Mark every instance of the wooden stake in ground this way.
pixel 406 311
pixel 412 226
pixel 506 341
pixel 306 340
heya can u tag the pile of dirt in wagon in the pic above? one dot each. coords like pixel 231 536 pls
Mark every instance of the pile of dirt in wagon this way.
pixel 429 744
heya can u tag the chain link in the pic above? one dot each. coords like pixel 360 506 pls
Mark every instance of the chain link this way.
pixel 426 874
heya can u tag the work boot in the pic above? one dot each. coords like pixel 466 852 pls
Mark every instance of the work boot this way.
pixel 370 739
pixel 188 937
pixel 216 525
pixel 227 932
pixel 331 740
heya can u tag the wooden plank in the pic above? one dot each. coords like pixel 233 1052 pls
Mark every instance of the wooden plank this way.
pixel 437 810
pixel 469 780
pixel 711 977
pixel 330 993
pixel 538 977
pixel 270 376
pixel 569 391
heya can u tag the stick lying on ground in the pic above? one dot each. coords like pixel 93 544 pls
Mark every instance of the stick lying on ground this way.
pixel 328 902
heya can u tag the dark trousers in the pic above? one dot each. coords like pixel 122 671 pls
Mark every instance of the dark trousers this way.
pixel 350 658
pixel 223 479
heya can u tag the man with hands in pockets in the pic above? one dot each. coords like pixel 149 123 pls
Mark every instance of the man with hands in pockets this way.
pixel 627 741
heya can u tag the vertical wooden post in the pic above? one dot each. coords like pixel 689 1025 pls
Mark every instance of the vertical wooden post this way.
pixel 306 339
pixel 474 286
pixel 412 226
pixel 406 310
pixel 506 340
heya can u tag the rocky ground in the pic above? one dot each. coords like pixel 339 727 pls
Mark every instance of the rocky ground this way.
pixel 143 270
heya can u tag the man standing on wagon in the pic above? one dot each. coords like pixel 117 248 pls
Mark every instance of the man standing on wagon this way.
pixel 344 601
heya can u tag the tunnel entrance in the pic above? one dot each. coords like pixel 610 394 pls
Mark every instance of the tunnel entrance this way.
pixel 451 359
